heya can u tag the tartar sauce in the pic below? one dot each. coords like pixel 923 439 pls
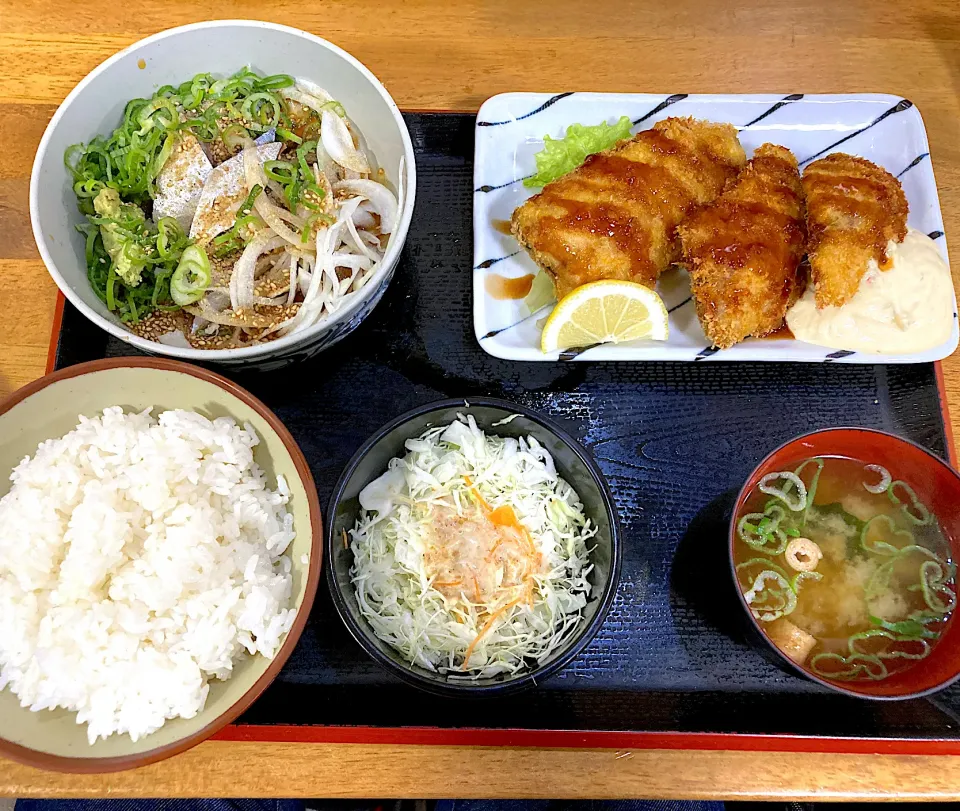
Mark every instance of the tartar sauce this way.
pixel 907 308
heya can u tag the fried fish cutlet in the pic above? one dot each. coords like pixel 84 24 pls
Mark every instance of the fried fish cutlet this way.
pixel 854 208
pixel 615 216
pixel 743 250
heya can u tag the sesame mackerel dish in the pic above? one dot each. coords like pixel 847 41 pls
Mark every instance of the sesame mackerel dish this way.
pixel 231 211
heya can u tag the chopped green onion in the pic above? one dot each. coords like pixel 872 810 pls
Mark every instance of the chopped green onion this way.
pixel 771 541
pixel 281 171
pixel 287 135
pixel 906 629
pixel 922 516
pixel 234 136
pixel 768 603
pixel 192 277
pixel 852 666
pixel 932 585
pixel 171 239
pixel 277 81
pixel 799 577
pixel 796 505
pixel 878 547
pixel 261 108
pixel 812 487
pixel 160 113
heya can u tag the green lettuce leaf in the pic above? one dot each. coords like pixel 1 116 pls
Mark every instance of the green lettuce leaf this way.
pixel 559 157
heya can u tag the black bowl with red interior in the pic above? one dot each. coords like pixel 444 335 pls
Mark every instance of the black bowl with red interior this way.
pixel 873 614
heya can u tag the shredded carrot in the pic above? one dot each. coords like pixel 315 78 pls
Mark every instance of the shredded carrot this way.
pixel 476 586
pixel 504 516
pixel 346 545
pixel 486 627
pixel 448 583
pixel 476 494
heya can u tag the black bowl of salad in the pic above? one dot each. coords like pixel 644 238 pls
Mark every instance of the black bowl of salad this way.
pixel 473 547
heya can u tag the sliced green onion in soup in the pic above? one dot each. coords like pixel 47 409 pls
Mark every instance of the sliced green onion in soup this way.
pixel 920 515
pixel 888 652
pixel 933 586
pixel 771 596
pixel 848 667
pixel 795 504
pixel 881 547
pixel 885 480
pixel 768 538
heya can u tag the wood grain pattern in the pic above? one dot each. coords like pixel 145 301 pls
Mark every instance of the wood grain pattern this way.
pixel 357 770
pixel 453 55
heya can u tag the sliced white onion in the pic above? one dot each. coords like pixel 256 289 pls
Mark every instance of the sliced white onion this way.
pixel 306 99
pixel 328 203
pixel 362 147
pixel 244 271
pixel 271 214
pixel 338 142
pixel 313 89
pixel 352 261
pixel 381 200
pixel 224 319
pixel 292 287
pixel 362 217
pixel 883 484
pixel 217 298
pixel 326 164
pixel 175 338
pixel 371 239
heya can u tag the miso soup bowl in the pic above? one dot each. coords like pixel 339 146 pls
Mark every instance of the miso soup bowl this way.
pixel 221 47
pixel 574 464
pixel 937 485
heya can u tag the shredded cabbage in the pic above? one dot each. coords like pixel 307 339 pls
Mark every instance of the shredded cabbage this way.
pixel 457 470
pixel 564 155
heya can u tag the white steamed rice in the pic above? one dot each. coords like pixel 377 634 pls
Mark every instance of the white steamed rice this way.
pixel 140 557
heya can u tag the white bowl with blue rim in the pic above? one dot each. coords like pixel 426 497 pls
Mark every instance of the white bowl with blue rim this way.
pixel 220 47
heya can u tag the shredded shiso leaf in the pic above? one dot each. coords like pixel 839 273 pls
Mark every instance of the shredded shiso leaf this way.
pixel 564 155
pixel 454 468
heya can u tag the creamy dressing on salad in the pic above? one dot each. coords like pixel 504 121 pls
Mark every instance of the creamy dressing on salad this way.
pixel 905 309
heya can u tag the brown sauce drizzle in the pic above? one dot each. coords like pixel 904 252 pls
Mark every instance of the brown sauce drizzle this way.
pixel 504 288
pixel 783 332
pixel 503 226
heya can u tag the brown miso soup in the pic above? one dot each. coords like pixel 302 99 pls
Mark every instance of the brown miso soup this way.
pixel 846 570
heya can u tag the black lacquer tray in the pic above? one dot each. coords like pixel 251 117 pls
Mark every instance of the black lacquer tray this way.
pixel 669 667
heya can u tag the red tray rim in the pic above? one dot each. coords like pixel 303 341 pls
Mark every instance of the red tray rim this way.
pixel 578 739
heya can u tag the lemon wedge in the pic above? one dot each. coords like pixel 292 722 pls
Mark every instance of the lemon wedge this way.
pixel 605 312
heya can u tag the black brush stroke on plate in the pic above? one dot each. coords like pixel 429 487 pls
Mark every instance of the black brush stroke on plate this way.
pixel 782 103
pixel 489 263
pixel 840 353
pixel 899 107
pixel 916 161
pixel 675 307
pixel 667 102
pixel 487 188
pixel 935 234
pixel 548 103
pixel 706 352
pixel 672 440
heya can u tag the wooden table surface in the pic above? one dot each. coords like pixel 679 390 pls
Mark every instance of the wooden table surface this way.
pixel 451 55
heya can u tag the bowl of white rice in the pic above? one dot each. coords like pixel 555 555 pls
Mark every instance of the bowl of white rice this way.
pixel 159 555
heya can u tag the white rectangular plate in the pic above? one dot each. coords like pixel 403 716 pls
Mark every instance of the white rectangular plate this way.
pixel 510 128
